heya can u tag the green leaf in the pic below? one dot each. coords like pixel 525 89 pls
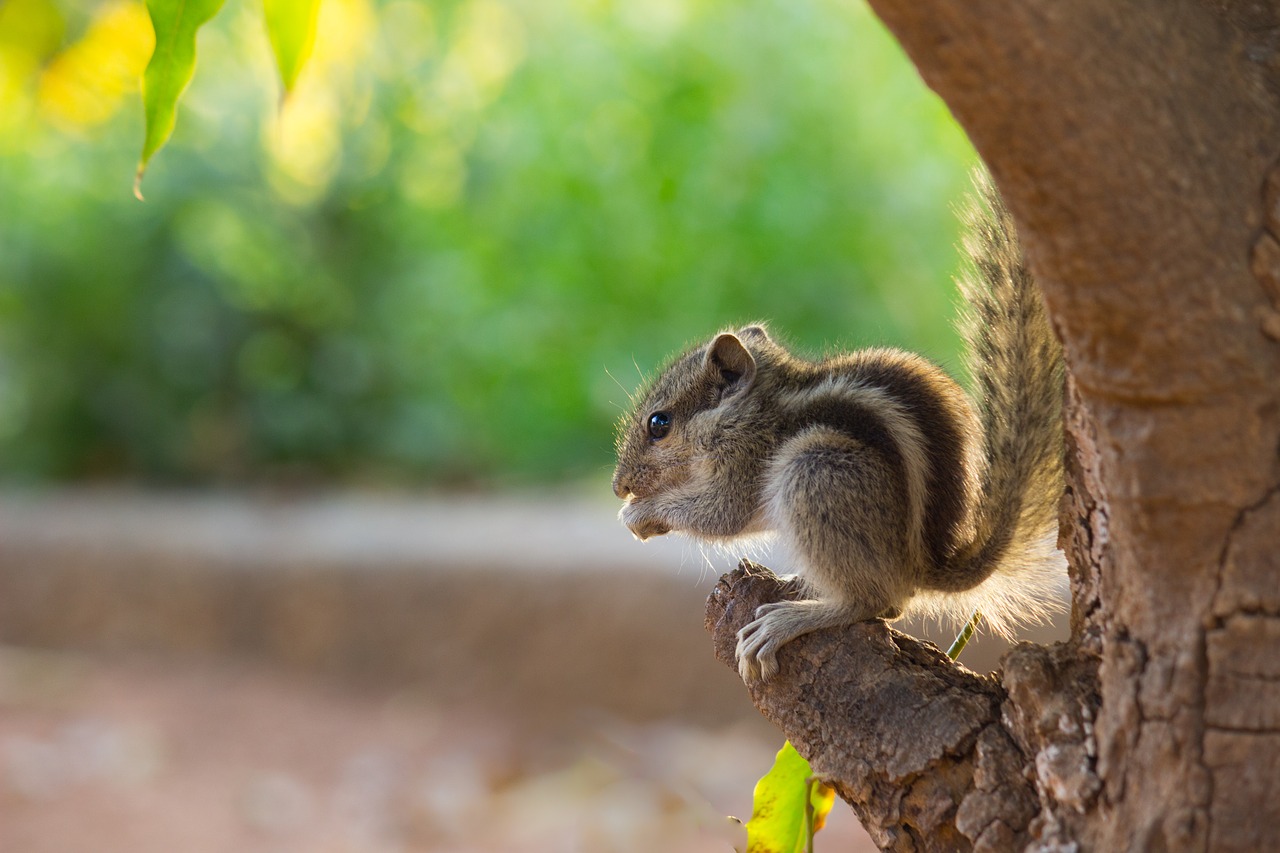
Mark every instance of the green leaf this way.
pixel 291 26
pixel 790 806
pixel 172 63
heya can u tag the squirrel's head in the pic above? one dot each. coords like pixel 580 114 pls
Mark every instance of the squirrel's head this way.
pixel 674 430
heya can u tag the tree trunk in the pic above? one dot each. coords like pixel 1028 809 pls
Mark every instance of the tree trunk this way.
pixel 1138 146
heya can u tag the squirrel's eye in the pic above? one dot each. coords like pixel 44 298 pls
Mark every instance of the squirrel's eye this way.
pixel 659 424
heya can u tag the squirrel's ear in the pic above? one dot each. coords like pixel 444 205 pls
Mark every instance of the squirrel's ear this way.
pixel 756 331
pixel 730 364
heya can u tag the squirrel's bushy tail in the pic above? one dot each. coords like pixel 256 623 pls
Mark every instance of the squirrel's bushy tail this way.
pixel 1016 366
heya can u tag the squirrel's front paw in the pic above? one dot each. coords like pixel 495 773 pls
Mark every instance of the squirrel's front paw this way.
pixel 641 521
pixel 758 644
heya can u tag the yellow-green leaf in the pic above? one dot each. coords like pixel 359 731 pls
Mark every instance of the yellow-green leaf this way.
pixel 790 805
pixel 173 61
pixel 291 26
pixel 821 798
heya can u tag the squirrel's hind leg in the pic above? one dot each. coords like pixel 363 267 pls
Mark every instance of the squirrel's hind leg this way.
pixel 843 509
pixel 781 622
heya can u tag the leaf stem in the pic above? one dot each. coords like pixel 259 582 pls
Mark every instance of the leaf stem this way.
pixel 965 635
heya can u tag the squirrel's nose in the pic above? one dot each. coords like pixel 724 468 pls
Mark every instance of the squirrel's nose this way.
pixel 621 487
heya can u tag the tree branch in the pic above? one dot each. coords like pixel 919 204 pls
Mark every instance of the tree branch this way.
pixel 911 740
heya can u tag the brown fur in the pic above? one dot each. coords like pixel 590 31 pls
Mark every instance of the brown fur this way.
pixel 873 466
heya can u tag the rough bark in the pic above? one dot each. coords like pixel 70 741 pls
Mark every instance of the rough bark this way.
pixel 1138 146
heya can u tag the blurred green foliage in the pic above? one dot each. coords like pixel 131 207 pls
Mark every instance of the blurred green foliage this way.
pixel 471 223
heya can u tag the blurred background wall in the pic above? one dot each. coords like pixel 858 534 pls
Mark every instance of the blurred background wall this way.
pixel 336 401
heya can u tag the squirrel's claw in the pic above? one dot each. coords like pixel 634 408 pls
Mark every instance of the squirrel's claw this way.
pixel 758 645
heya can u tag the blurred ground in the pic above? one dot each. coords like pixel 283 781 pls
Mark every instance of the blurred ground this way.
pixel 365 673
pixel 145 756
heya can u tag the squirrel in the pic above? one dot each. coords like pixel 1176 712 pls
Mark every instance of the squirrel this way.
pixel 892 489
